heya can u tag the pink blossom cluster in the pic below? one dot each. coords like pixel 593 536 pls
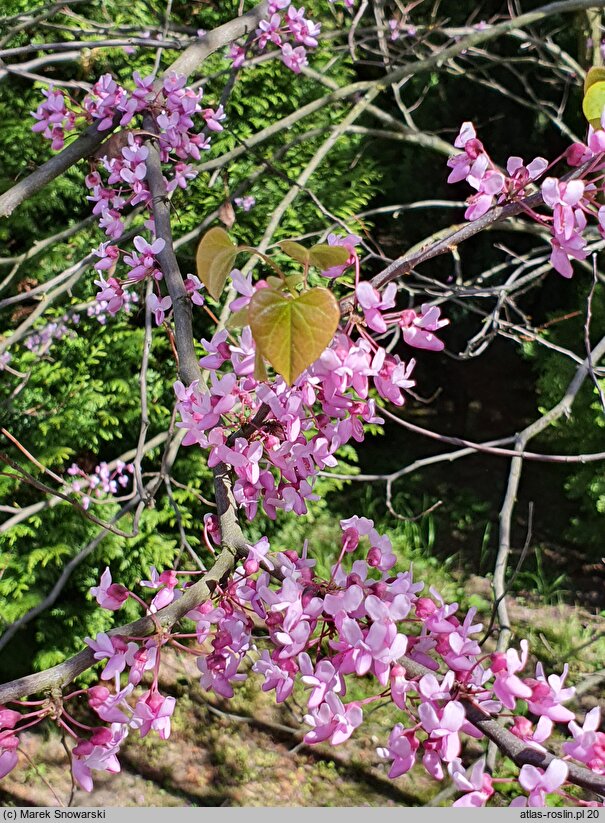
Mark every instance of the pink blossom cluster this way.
pixel 572 201
pixel 308 422
pixel 287 28
pixel 417 327
pixel 245 203
pixel 40 340
pixel 100 308
pixel 368 621
pixel 476 167
pixel 174 107
pixel 103 481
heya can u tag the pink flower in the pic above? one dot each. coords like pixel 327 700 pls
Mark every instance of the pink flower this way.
pixel 332 721
pixel 153 711
pixel 524 730
pixel 539 783
pixel 213 118
pixel 401 749
pixel 507 686
pixel 547 695
pixel 278 676
pixel 8 754
pixel 322 680
pixel 418 328
pixel 159 307
pixel 588 745
pixel 99 753
pixel 237 54
pixel 443 726
pixel 8 719
pixel 349 242
pixel 294 58
pixel 477 784
pixel 115 649
pixel 245 203
pixel 110 595
pixel 563 249
pixel 372 303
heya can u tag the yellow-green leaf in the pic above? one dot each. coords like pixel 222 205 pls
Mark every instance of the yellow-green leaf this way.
pixel 291 332
pixel 594 96
pixel 260 372
pixel 215 257
pixel 593 75
pixel 295 251
pixel 275 282
pixel 324 256
pixel 238 319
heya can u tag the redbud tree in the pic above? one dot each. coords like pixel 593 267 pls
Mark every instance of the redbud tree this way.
pixel 311 348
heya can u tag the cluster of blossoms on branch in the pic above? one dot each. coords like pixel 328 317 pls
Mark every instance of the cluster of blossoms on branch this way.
pixel 40 340
pixel 285 27
pixel 102 482
pixel 365 621
pixel 306 423
pixel 173 107
pixel 572 200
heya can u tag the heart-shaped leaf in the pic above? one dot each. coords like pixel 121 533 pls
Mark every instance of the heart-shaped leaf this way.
pixel 295 251
pixel 594 96
pixel 593 75
pixel 291 332
pixel 324 256
pixel 215 257
pixel 238 319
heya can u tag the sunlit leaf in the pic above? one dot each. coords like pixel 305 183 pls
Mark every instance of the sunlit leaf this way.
pixel 594 96
pixel 215 257
pixel 238 319
pixel 324 256
pixel 260 372
pixel 295 251
pixel 593 75
pixel 291 332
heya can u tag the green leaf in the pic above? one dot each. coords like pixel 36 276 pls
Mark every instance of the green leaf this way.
pixel 295 251
pixel 594 96
pixel 324 256
pixel 238 319
pixel 275 282
pixel 291 332
pixel 215 256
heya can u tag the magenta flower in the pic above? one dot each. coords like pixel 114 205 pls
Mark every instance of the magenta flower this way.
pixel 401 749
pixel 153 711
pixel 507 686
pixel 588 745
pixel 418 328
pixel 278 676
pixel 539 783
pixel 372 303
pixel 8 754
pixel 98 753
pixel 476 784
pixel 115 649
pixel 159 307
pixel 333 721
pixel 109 595
pixel 294 58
